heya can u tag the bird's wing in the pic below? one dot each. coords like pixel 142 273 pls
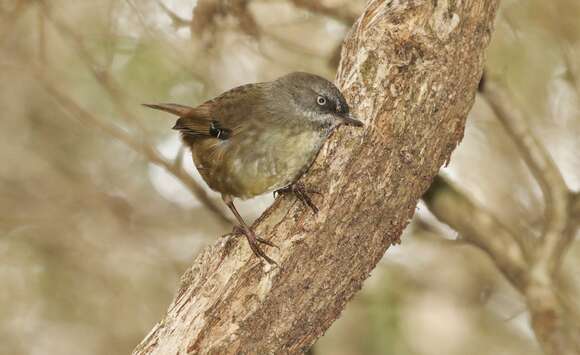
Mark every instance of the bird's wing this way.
pixel 219 118
pixel 193 122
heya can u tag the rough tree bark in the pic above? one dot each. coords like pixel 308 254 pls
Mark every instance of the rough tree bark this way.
pixel 410 70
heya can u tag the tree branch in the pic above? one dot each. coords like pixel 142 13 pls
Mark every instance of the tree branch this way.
pixel 556 195
pixel 119 99
pixel 206 12
pixel 176 20
pixel 480 228
pixel 410 70
pixel 102 76
pixel 139 146
pixel 553 318
pixel 555 328
pixel 338 13
pixel 575 207
pixel 9 19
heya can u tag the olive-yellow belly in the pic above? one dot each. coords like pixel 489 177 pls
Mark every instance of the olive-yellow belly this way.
pixel 254 163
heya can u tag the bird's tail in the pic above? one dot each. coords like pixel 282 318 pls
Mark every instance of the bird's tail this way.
pixel 178 110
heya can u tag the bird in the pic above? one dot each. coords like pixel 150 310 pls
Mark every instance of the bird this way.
pixel 261 138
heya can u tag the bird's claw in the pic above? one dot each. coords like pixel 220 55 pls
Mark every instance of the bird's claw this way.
pixel 253 241
pixel 302 193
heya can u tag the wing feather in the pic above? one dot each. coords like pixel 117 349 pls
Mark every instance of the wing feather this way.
pixel 193 123
pixel 210 119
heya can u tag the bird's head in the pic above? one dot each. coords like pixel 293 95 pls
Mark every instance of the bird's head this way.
pixel 317 100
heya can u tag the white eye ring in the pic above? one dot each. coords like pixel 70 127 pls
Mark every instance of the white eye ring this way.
pixel 321 100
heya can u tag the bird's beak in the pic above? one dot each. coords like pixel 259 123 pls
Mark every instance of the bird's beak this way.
pixel 349 120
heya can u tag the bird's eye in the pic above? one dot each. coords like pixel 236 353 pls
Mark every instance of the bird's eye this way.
pixel 321 100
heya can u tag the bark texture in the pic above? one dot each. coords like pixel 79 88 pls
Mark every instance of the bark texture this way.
pixel 410 70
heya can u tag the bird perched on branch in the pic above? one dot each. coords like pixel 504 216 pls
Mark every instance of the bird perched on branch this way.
pixel 260 138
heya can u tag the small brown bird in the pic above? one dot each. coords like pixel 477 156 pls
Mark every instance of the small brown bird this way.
pixel 261 137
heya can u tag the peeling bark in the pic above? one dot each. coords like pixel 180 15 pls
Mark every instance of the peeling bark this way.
pixel 410 70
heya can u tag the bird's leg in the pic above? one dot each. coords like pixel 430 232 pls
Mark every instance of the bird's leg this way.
pixel 252 238
pixel 302 193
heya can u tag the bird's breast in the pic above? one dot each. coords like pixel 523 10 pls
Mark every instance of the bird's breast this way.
pixel 259 161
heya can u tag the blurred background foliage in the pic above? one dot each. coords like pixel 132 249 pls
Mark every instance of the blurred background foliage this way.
pixel 97 216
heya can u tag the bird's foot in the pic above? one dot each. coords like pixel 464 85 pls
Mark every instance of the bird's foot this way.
pixel 253 240
pixel 302 193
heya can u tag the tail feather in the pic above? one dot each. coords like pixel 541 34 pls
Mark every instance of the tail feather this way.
pixel 178 110
pixel 193 123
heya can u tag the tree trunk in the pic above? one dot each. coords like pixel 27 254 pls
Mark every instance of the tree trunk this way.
pixel 410 71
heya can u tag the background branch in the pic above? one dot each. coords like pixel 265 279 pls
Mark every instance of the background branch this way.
pixel 553 318
pixel 139 146
pixel 555 237
pixel 341 14
pixel 119 98
pixel 101 74
pixel 478 227
pixel 178 21
pixel 575 207
pixel 206 14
